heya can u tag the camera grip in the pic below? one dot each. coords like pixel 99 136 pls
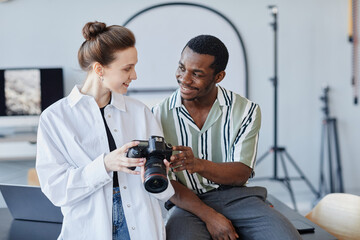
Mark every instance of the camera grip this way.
pixel 133 153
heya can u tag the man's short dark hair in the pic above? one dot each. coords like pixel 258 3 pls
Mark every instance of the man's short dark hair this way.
pixel 207 44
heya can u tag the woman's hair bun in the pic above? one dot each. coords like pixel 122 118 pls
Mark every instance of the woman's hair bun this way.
pixel 92 29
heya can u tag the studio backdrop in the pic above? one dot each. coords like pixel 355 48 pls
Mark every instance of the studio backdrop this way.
pixel 163 30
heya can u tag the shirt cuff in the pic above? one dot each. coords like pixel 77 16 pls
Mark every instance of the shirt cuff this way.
pixel 167 194
pixel 96 174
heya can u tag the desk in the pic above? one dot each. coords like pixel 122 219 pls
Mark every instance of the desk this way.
pixel 30 230
pixel 14 132
pixel 19 137
pixel 18 128
pixel 17 229
pixel 10 144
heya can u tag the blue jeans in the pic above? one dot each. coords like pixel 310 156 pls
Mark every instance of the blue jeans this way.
pixel 120 230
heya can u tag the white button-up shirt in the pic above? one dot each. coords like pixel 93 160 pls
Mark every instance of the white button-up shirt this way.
pixel 71 146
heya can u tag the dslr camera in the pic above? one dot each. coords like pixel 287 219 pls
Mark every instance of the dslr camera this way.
pixel 155 151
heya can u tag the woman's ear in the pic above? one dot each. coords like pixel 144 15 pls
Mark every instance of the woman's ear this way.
pixel 220 76
pixel 98 69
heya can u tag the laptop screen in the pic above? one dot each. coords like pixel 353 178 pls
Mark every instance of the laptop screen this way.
pixel 30 203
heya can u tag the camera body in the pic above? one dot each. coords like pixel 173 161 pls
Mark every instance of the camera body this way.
pixel 155 151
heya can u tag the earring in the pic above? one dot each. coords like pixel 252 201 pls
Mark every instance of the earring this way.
pixel 101 78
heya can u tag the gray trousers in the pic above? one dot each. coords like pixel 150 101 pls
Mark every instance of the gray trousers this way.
pixel 244 206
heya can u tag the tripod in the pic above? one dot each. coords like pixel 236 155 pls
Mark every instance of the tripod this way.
pixel 330 136
pixel 275 149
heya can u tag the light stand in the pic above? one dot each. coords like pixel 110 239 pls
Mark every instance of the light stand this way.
pixel 330 136
pixel 281 151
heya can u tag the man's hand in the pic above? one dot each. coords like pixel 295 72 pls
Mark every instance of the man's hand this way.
pixel 226 173
pixel 185 160
pixel 217 224
pixel 220 227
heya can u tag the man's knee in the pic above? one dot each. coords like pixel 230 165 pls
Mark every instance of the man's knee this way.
pixel 272 225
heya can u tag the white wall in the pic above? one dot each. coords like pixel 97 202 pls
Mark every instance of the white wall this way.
pixel 313 49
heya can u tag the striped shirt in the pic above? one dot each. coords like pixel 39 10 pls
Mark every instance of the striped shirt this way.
pixel 229 134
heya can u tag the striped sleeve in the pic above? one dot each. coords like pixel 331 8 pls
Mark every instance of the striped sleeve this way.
pixel 244 148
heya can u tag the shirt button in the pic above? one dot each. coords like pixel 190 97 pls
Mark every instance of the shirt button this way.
pixel 109 116
pixel 124 187
pixel 115 130
pixel 128 205
pixel 133 228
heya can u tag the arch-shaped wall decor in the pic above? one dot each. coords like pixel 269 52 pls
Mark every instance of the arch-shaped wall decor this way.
pixel 151 28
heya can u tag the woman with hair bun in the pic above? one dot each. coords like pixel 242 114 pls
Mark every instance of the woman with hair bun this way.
pixel 83 140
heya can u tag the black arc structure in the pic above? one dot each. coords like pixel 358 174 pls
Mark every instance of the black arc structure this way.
pixel 275 149
pixel 206 8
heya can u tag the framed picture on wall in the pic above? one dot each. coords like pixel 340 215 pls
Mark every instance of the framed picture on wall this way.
pixel 28 91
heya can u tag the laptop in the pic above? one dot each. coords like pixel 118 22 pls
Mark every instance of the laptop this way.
pixel 302 226
pixel 29 203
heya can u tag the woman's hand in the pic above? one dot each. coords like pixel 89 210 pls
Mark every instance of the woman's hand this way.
pixel 117 160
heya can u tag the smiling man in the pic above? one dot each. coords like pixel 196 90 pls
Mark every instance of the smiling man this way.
pixel 215 135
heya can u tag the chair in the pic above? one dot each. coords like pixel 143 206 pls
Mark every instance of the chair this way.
pixel 339 214
pixel 33 178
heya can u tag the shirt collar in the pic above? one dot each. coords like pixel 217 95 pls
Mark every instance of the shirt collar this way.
pixel 175 100
pixel 75 96
pixel 222 97
pixel 117 100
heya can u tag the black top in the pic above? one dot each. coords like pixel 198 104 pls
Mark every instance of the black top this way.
pixel 112 145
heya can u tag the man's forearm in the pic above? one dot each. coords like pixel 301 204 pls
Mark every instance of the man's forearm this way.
pixel 234 173
pixel 218 226
pixel 184 198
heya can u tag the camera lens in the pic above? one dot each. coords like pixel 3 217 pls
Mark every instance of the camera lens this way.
pixel 155 174
pixel 156 184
